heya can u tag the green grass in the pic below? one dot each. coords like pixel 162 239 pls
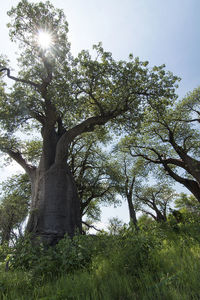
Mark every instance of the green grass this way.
pixel 152 265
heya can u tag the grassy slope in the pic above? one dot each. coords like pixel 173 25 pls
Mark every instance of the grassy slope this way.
pixel 155 264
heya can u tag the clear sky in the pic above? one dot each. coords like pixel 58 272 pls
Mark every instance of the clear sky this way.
pixel 155 30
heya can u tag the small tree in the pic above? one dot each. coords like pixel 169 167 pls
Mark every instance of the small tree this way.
pixel 115 225
pixel 169 138
pixel 155 200
pixel 189 202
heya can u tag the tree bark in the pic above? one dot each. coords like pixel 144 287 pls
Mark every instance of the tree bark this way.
pixel 55 209
pixel 132 214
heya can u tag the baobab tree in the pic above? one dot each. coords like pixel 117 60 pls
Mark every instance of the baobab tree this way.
pixel 63 97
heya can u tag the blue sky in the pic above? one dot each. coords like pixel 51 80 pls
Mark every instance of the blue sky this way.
pixel 155 30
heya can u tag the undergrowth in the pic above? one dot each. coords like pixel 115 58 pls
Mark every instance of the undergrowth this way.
pixel 154 263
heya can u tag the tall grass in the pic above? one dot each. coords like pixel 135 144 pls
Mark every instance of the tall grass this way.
pixel 154 264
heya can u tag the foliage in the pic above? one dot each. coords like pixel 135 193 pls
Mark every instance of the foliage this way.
pixel 155 200
pixel 66 257
pixel 155 263
pixel 15 199
pixel 145 221
pixel 188 202
pixel 92 173
pixel 77 88
pixel 169 138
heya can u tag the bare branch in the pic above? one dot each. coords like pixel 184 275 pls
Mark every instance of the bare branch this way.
pixel 17 156
pixel 93 98
pixel 37 86
pixel 160 158
pixel 91 226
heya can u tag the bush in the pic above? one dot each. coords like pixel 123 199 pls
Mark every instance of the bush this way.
pixel 66 257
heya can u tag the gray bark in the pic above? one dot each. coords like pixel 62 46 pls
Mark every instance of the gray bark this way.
pixel 132 213
pixel 55 209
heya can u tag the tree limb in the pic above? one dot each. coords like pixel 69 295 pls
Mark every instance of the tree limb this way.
pixel 17 156
pixel 92 226
pixel 86 126
pixel 37 86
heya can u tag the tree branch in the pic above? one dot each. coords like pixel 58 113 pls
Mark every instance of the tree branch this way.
pixel 17 156
pixel 93 98
pixel 161 158
pixel 37 86
pixel 86 126
pixel 92 226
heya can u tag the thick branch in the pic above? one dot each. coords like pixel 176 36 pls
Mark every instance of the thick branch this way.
pixel 161 159
pixel 17 156
pixel 93 196
pixel 189 121
pixel 191 185
pixel 37 86
pixel 37 116
pixel 86 126
pixel 148 213
pixel 132 185
pixel 180 151
pixel 83 164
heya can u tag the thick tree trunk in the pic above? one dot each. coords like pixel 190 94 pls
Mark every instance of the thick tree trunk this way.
pixel 192 185
pixel 55 209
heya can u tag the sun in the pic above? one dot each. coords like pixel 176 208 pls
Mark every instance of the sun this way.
pixel 44 39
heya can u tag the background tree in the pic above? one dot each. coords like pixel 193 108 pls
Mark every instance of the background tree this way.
pixel 15 201
pixel 62 98
pixel 127 175
pixel 115 225
pixel 169 137
pixel 188 202
pixel 92 174
pixel 155 200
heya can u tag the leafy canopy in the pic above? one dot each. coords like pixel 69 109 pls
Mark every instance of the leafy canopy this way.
pixel 77 88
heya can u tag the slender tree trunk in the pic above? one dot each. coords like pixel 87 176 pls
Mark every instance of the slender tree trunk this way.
pixel 132 214
pixel 55 209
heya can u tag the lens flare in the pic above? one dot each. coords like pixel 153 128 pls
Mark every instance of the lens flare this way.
pixel 44 39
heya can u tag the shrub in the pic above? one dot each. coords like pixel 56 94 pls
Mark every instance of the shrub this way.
pixel 67 256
